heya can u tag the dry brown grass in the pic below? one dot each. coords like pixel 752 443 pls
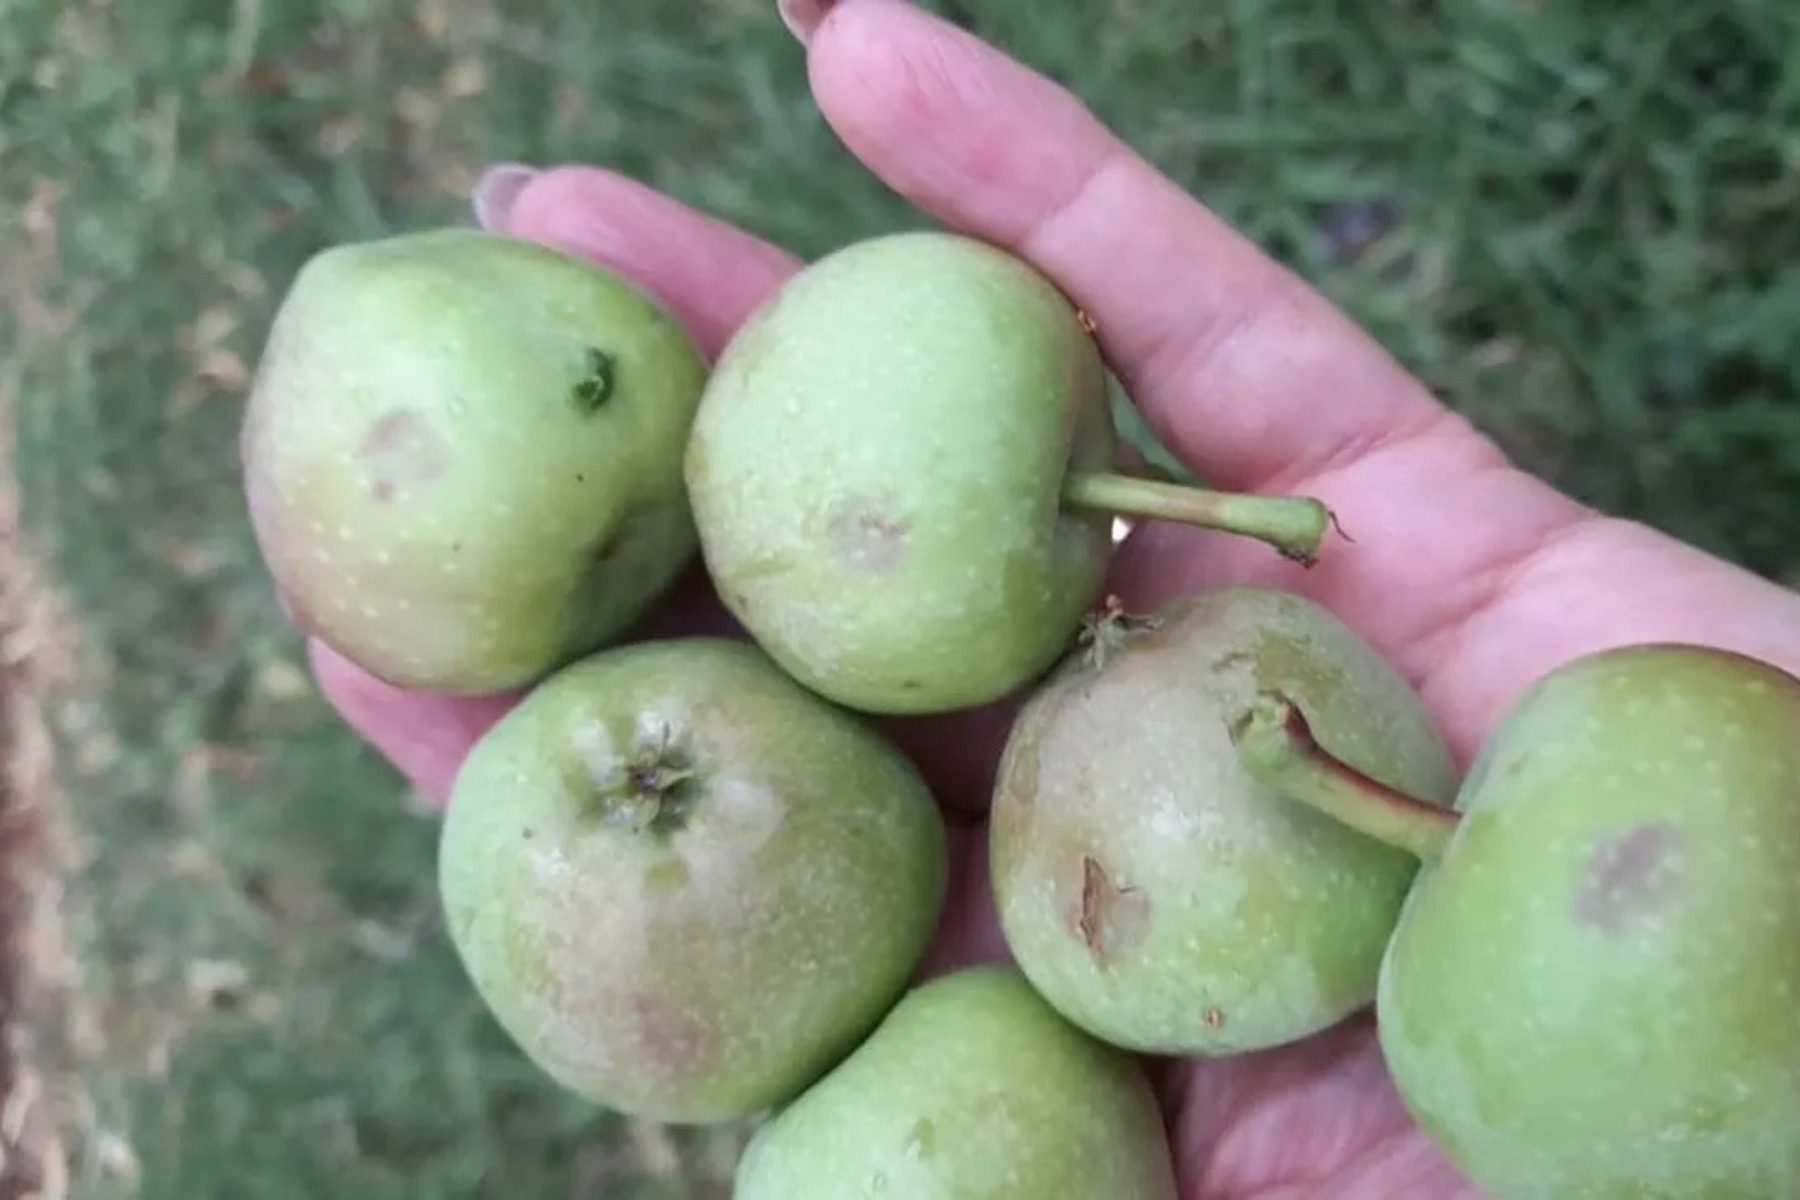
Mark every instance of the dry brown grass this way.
pixel 40 1095
pixel 37 660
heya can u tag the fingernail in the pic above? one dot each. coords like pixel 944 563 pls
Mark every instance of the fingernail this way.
pixel 803 16
pixel 496 190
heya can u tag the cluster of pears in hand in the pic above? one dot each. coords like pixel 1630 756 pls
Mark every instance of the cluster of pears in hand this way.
pixel 695 882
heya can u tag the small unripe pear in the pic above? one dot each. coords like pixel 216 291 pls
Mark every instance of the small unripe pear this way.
pixel 971 1089
pixel 1153 891
pixel 1594 990
pixel 684 884
pixel 462 455
pixel 901 472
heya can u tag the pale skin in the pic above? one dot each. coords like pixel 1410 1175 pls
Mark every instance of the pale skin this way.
pixel 1473 577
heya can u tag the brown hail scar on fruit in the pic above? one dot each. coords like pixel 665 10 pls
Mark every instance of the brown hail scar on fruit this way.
pixel 869 540
pixel 1214 1018
pixel 1630 878
pixel 1110 920
pixel 400 451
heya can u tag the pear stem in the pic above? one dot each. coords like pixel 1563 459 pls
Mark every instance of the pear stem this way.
pixel 1277 748
pixel 1294 525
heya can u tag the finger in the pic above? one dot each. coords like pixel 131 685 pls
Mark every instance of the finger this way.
pixel 1246 373
pixel 710 276
pixel 968 932
pixel 709 273
pixel 423 734
pixel 1317 1117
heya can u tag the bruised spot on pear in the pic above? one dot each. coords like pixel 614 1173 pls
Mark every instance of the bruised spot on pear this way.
pixel 675 1047
pixel 868 540
pixel 1111 920
pixel 1631 878
pixel 401 452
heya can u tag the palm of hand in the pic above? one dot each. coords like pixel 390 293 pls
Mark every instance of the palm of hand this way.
pixel 1473 578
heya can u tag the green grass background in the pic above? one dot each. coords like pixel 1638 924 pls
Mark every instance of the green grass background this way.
pixel 1587 241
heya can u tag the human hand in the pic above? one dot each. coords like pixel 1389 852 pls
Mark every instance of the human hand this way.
pixel 1473 578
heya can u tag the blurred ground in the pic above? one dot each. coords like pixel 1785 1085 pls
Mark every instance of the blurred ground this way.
pixel 1579 229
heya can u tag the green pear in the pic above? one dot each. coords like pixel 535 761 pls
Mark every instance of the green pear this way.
pixel 971 1089
pixel 1155 893
pixel 1594 991
pixel 685 885
pixel 901 475
pixel 462 456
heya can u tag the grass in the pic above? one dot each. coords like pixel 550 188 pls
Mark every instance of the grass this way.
pixel 1578 229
